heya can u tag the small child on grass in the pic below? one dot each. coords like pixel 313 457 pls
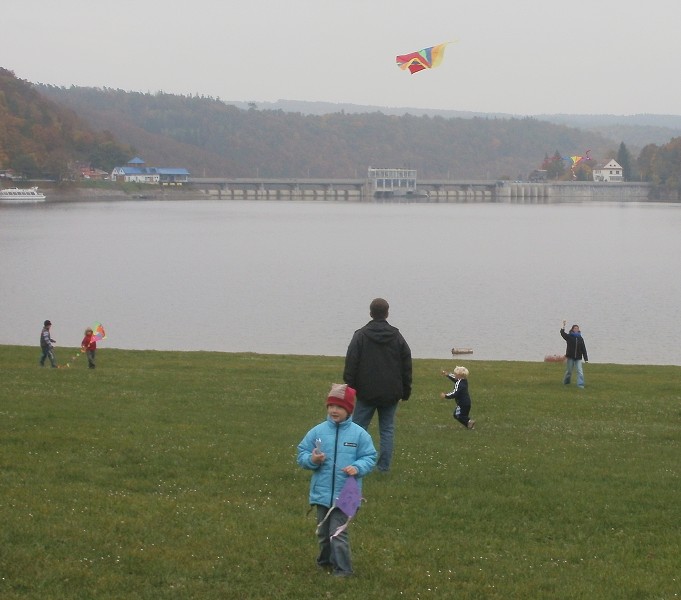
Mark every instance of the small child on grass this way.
pixel 460 394
pixel 335 450
pixel 89 346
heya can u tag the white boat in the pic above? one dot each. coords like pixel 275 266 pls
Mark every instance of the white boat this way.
pixel 21 195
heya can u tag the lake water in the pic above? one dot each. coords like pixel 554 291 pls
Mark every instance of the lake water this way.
pixel 297 277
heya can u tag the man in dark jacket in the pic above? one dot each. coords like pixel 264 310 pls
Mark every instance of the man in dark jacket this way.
pixel 575 352
pixel 378 366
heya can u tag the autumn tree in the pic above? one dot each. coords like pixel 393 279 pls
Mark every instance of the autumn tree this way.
pixel 667 164
pixel 624 160
pixel 645 162
pixel 555 167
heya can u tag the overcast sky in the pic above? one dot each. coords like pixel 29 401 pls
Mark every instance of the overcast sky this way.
pixel 522 57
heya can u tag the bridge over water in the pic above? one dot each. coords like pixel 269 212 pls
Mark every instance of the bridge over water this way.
pixel 445 190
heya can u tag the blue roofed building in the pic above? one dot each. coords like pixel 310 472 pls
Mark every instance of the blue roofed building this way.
pixel 172 176
pixel 136 172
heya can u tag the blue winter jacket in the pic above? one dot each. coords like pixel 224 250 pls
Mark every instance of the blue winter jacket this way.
pixel 344 444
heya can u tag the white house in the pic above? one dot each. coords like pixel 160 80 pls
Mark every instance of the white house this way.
pixel 611 171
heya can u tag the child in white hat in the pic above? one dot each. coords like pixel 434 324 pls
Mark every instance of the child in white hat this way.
pixel 460 394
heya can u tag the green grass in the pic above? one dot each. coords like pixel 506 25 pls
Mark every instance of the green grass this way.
pixel 172 475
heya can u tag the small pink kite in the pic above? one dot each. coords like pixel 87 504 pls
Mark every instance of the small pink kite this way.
pixel 348 502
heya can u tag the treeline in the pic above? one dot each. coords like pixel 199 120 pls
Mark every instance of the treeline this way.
pixel 234 142
pixel 43 129
pixel 39 138
pixel 661 165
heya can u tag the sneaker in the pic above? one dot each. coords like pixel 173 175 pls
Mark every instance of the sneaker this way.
pixel 471 424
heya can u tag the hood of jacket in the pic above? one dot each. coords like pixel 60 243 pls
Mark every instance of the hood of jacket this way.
pixel 380 332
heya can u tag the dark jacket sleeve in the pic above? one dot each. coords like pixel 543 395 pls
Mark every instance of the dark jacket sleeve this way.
pixel 406 369
pixel 352 361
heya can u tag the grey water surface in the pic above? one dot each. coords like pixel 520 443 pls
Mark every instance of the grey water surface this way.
pixel 297 277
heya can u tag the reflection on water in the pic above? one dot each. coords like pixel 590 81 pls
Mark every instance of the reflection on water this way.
pixel 297 277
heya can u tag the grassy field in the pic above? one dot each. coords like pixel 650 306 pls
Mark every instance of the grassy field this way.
pixel 172 475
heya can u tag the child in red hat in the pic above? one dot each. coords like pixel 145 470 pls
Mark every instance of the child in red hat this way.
pixel 335 450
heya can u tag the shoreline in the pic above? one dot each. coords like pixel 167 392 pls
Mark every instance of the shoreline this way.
pixel 514 194
pixel 54 195
pixel 68 349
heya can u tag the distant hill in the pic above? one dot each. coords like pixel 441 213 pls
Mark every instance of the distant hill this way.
pixel 45 129
pixel 327 108
pixel 214 138
pixel 636 131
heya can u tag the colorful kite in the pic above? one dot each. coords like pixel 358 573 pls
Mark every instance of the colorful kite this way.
pixel 575 160
pixel 428 58
pixel 98 332
pixel 578 159
pixel 348 501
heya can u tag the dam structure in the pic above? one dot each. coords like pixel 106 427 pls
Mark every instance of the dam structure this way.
pixel 401 185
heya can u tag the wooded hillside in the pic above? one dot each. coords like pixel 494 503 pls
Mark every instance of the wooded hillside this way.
pixel 212 138
pixel 46 130
pixel 39 138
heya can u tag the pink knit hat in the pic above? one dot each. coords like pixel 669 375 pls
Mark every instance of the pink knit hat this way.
pixel 342 395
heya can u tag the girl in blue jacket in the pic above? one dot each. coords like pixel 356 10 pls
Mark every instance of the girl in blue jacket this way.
pixel 335 450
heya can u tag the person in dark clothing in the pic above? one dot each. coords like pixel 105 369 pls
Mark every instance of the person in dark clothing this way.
pixel 47 345
pixel 378 365
pixel 576 355
pixel 460 394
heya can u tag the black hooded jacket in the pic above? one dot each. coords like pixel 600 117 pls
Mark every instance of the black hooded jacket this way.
pixel 378 364
pixel 576 348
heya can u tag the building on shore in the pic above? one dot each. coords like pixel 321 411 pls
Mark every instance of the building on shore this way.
pixel 610 171
pixel 393 183
pixel 136 172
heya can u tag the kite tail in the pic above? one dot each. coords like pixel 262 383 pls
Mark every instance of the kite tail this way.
pixel 324 519
pixel 341 529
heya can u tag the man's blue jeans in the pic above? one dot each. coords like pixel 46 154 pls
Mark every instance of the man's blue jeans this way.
pixel 569 367
pixel 363 414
